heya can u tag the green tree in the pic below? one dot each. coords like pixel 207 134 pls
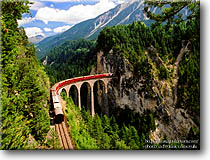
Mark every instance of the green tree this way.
pixel 171 11
pixel 24 84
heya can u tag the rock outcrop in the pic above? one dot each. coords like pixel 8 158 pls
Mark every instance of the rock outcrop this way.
pixel 139 94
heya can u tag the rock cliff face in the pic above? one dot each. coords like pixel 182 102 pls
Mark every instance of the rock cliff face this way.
pixel 139 94
pixel 123 89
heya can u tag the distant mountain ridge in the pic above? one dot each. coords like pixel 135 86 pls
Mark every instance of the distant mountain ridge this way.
pixel 36 39
pixel 125 13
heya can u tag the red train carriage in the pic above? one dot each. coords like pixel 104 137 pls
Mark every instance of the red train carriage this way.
pixel 59 116
pixel 73 80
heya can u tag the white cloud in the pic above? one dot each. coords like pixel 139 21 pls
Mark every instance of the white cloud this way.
pixel 47 29
pixel 74 14
pixel 61 29
pixel 33 31
pixel 25 20
pixel 36 5
pixel 119 1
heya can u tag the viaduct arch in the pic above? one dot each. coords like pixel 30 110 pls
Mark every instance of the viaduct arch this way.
pixel 74 87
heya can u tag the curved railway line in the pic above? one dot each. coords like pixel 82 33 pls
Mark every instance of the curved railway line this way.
pixel 61 125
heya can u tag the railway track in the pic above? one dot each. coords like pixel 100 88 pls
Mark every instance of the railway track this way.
pixel 64 137
pixel 59 105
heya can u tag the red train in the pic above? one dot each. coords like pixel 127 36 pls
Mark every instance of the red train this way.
pixel 59 116
pixel 73 80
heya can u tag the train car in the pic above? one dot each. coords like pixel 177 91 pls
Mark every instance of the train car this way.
pixel 61 84
pixel 79 79
pixel 53 92
pixel 59 116
pixel 86 78
pixel 57 105
pixel 55 99
pixel 57 87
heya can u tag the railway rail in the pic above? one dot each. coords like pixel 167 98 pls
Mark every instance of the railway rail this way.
pixel 64 137
pixel 61 124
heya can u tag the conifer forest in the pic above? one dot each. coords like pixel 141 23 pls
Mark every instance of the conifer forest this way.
pixel 135 84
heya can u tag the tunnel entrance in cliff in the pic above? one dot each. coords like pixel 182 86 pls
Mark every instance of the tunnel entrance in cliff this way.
pixel 100 99
pixel 85 93
pixel 73 93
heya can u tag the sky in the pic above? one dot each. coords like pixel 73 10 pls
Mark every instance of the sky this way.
pixel 50 17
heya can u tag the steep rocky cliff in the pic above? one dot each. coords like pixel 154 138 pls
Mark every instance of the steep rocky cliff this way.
pixel 139 93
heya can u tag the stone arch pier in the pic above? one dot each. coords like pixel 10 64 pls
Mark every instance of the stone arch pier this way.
pixel 79 85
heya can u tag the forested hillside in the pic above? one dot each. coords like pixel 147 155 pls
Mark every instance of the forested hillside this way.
pixel 162 44
pixel 160 67
pixel 24 84
pixel 71 59
pixel 103 132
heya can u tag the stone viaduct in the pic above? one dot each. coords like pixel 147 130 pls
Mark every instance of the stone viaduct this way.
pixel 78 83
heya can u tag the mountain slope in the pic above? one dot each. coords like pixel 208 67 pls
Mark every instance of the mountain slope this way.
pixel 72 59
pixel 125 13
pixel 155 69
pixel 36 39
